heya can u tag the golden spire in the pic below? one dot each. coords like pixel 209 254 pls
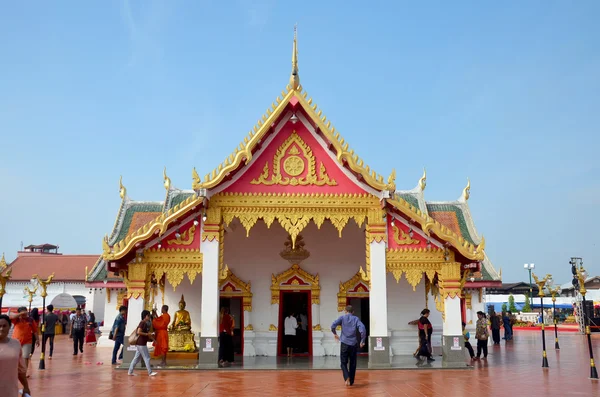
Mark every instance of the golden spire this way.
pixel 295 77
pixel 122 190
pixel 423 180
pixel 467 191
pixel 167 179
pixel 3 264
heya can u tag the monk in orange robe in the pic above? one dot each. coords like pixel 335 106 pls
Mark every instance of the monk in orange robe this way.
pixel 161 341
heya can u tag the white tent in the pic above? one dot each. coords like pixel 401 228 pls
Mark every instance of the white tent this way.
pixel 64 301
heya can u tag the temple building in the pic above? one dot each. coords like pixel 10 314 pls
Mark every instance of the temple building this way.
pixel 294 222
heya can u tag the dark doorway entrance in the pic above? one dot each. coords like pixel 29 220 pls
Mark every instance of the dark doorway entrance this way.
pixel 298 304
pixel 236 310
pixel 361 310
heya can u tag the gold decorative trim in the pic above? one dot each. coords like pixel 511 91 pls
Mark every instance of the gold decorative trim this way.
pixel 278 283
pixel 243 153
pixel 345 290
pixel 107 295
pixel 272 327
pixel 403 238
pixel 317 327
pixel 241 289
pixel 294 166
pixel 428 225
pixel 157 226
pixel 174 263
pixel 294 211
pixel 468 300
pixel 249 327
pixel 185 238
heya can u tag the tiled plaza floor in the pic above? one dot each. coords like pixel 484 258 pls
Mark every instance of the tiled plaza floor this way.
pixel 510 370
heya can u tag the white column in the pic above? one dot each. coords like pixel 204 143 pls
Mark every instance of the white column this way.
pixel 452 317
pixel 378 291
pixel 134 314
pixel 209 322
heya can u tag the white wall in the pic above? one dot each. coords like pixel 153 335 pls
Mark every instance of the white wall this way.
pixel 193 300
pixel 256 258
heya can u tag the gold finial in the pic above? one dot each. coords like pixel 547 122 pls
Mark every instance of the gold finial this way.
pixel 423 180
pixel 467 191
pixel 500 273
pixel 167 179
pixel 295 77
pixel 3 264
pixel 391 182
pixel 122 190
pixel 195 178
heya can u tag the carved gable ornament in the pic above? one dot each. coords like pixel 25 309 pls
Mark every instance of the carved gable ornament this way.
pixel 294 164
pixel 295 278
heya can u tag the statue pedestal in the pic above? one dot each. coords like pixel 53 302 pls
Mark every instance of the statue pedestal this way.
pixel 182 341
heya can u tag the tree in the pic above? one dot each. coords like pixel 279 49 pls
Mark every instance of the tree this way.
pixel 511 304
pixel 527 306
pixel 504 308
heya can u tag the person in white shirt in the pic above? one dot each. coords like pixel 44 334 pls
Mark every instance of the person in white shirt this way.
pixel 289 335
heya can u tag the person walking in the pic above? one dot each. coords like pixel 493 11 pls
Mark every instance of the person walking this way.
pixel 35 316
pixel 49 328
pixel 425 332
pixel 12 366
pixel 161 342
pixel 349 343
pixel 495 325
pixel 141 344
pixel 482 335
pixel 24 330
pixel 289 333
pixel 118 334
pixel 78 330
pixel 507 326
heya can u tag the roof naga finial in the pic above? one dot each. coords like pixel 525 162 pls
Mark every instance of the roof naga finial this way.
pixel 167 179
pixel 122 190
pixel 3 264
pixel 466 191
pixel 295 77
pixel 423 180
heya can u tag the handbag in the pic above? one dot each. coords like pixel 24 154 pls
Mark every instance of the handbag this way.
pixel 111 335
pixel 133 338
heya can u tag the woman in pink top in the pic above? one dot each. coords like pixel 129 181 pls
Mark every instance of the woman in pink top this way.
pixel 12 367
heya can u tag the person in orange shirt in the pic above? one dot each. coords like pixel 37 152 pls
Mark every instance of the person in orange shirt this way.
pixel 24 330
pixel 160 325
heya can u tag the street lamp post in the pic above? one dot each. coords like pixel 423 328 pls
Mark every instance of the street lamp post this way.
pixel 31 293
pixel 530 267
pixel 43 284
pixel 541 284
pixel 3 280
pixel 555 291
pixel 580 275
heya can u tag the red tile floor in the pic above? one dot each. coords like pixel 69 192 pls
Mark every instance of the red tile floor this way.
pixel 511 369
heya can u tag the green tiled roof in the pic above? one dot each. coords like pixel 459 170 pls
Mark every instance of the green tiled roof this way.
pixel 409 198
pixel 131 210
pixel 99 273
pixel 178 199
pixel 464 230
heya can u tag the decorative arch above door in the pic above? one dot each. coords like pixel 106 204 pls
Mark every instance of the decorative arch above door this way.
pixel 295 278
pixel 232 287
pixel 356 287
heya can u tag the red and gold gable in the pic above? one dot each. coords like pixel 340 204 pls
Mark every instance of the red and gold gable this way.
pixel 399 236
pixel 295 280
pixel 189 237
pixel 294 162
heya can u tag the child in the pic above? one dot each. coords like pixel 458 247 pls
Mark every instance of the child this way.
pixel 467 343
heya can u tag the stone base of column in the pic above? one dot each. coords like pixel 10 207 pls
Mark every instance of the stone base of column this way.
pixel 379 352
pixel 208 355
pixel 453 351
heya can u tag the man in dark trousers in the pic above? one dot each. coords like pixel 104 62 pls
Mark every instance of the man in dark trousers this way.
pixel 78 330
pixel 49 326
pixel 351 325
pixel 495 323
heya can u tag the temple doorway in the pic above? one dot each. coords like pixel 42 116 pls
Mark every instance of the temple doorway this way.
pixel 236 310
pixel 298 303
pixel 361 310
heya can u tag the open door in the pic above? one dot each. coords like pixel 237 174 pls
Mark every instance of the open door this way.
pixel 295 303
pixel 361 310
pixel 236 310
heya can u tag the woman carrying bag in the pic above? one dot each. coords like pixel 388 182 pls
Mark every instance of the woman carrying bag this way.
pixel 140 338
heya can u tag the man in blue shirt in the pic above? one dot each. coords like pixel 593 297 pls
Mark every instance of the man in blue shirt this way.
pixel 351 325
pixel 118 330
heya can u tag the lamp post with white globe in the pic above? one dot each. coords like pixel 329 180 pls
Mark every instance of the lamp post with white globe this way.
pixel 530 267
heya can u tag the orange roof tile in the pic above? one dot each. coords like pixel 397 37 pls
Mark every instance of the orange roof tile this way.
pixel 64 267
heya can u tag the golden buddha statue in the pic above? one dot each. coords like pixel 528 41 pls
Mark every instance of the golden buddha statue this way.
pixel 181 337
pixel 181 320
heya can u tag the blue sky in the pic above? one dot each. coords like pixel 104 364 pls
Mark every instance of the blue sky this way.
pixel 506 94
